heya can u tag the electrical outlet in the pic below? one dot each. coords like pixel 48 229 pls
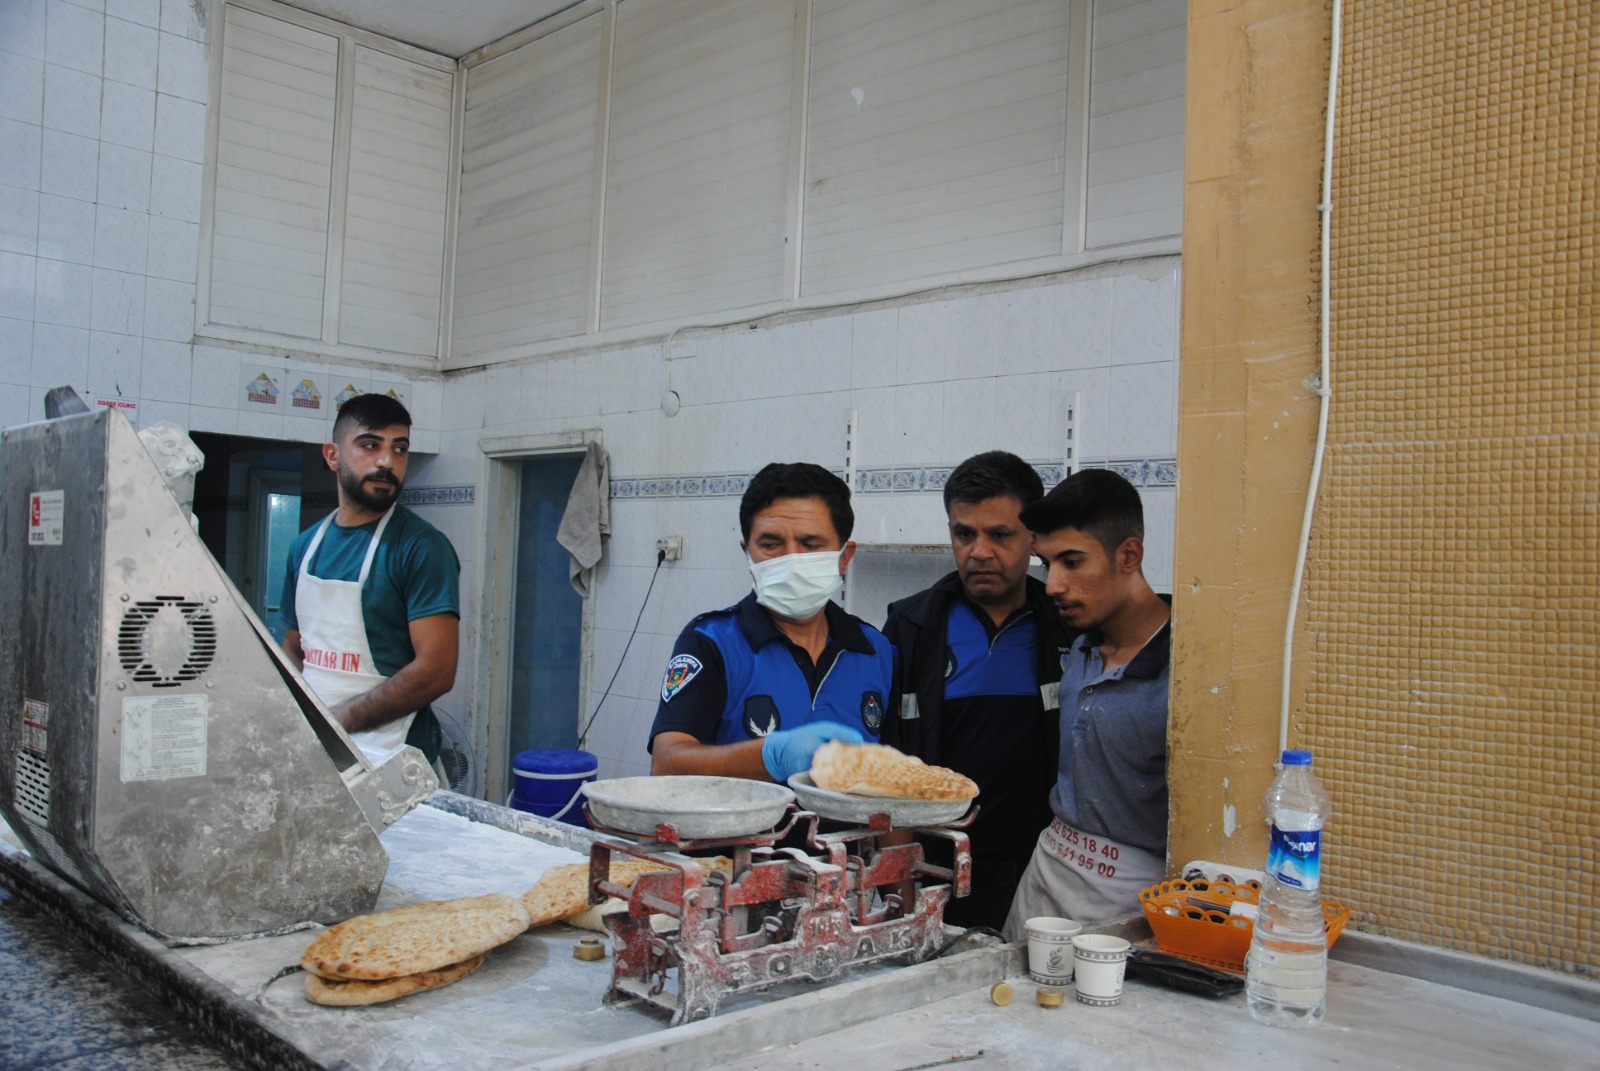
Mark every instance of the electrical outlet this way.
pixel 671 546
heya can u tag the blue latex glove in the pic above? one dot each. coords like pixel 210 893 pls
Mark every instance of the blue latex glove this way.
pixel 788 751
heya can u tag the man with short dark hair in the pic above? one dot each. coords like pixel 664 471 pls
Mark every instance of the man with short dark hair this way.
pixel 753 690
pixel 980 655
pixel 372 593
pixel 1108 837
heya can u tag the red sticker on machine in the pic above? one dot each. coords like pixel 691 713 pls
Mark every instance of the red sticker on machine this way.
pixel 36 726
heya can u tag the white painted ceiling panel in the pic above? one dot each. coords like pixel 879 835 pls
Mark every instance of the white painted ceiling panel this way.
pixel 274 160
pixel 935 133
pixel 527 192
pixel 698 158
pixel 395 215
pixel 1135 172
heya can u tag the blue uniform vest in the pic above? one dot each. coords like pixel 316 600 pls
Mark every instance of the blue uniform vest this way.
pixel 767 691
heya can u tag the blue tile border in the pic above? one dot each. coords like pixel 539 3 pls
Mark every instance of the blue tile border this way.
pixel 905 479
pixel 464 495
pixel 1141 472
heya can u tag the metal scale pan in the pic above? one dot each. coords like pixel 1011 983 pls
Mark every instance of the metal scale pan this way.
pixel 850 807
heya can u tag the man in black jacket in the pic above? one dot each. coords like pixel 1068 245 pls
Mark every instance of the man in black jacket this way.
pixel 980 662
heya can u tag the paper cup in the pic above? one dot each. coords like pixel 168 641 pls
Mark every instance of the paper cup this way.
pixel 1050 949
pixel 1099 961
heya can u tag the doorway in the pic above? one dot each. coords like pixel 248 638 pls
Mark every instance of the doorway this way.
pixel 249 505
pixel 272 520
pixel 546 615
pixel 533 663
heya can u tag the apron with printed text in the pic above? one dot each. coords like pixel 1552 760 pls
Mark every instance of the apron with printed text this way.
pixel 333 636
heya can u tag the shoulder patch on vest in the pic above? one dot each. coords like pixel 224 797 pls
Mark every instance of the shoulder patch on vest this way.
pixel 680 671
pixel 761 716
pixel 872 710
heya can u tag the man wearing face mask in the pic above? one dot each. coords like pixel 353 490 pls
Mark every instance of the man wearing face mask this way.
pixel 753 690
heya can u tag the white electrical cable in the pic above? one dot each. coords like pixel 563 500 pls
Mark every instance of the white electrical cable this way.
pixel 1324 386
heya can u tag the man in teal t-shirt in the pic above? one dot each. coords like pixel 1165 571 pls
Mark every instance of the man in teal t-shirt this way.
pixel 372 593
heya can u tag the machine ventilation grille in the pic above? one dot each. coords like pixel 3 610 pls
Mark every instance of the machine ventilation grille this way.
pixel 166 641
pixel 33 787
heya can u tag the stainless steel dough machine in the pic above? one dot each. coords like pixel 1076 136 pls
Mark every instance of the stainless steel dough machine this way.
pixel 156 748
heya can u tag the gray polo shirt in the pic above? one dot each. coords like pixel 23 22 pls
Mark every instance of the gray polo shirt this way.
pixel 1112 775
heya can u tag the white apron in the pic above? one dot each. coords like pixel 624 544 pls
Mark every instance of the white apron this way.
pixel 333 636
pixel 1081 876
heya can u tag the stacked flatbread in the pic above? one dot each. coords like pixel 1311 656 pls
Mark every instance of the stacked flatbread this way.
pixel 374 958
pixel 881 770
pixel 562 892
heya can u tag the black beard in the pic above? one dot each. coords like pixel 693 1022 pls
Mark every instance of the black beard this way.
pixel 356 491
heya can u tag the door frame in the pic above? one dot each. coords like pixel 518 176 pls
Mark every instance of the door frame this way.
pixel 258 574
pixel 499 508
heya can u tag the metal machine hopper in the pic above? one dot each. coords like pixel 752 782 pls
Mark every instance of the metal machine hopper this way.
pixel 156 748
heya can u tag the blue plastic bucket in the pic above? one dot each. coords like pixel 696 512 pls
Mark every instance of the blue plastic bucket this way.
pixel 549 782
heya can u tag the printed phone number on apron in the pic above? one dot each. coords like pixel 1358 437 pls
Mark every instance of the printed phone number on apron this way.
pixel 1080 850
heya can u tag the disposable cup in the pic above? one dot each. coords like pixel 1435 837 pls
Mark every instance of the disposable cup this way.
pixel 1050 949
pixel 1099 961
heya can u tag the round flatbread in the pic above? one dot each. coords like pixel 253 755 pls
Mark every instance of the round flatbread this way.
pixel 562 892
pixel 881 770
pixel 593 916
pixel 415 939
pixel 339 994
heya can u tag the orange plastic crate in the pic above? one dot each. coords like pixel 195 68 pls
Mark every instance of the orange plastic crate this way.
pixel 1191 919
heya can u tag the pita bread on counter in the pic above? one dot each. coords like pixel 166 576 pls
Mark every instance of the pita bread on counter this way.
pixel 562 893
pixel 881 770
pixel 414 940
pixel 343 994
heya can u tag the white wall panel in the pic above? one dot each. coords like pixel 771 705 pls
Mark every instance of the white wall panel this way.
pixel 273 175
pixel 1136 121
pixel 698 158
pixel 524 232
pixel 395 214
pixel 934 140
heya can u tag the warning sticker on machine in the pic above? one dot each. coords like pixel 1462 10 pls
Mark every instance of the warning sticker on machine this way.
pixel 36 727
pixel 45 512
pixel 163 737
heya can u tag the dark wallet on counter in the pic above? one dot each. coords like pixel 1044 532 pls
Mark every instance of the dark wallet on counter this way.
pixel 1177 973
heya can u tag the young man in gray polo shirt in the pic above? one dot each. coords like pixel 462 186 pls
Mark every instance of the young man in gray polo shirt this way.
pixel 1108 837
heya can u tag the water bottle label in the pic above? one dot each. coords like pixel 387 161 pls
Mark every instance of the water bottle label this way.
pixel 1295 858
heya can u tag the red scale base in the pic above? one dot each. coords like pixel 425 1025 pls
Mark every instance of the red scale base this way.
pixel 784 914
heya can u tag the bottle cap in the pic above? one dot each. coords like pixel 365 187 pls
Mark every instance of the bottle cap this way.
pixel 1296 758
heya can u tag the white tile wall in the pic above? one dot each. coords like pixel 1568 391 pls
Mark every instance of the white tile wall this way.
pixel 128 116
pixel 71 100
pixel 131 51
pixel 19 219
pixel 143 12
pixel 74 36
pixel 19 164
pixel 69 164
pixel 117 304
pixel 22 89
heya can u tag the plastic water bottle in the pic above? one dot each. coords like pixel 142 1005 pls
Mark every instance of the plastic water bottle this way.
pixel 1286 973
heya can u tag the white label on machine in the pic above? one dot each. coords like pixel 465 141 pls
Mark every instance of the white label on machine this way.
pixel 45 511
pixel 36 727
pixel 163 737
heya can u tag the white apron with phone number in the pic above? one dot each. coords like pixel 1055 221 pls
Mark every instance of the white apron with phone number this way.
pixel 333 636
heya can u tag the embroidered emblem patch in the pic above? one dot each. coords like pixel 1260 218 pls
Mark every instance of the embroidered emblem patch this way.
pixel 680 671
pixel 872 710
pixel 761 716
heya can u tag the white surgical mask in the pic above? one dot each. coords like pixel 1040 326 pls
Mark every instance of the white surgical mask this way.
pixel 796 586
